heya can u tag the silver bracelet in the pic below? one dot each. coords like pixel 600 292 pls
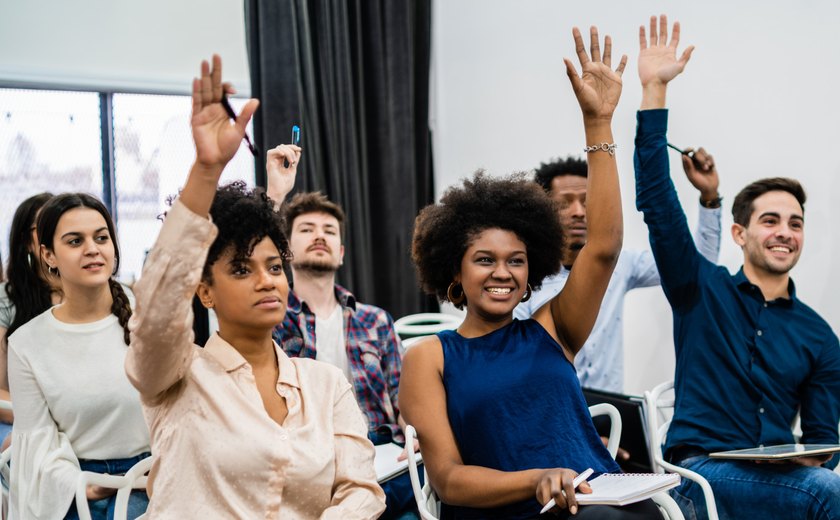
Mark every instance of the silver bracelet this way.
pixel 603 147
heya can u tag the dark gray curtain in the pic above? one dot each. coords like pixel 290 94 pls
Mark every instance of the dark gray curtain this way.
pixel 354 75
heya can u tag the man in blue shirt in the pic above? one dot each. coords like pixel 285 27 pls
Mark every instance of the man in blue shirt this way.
pixel 750 354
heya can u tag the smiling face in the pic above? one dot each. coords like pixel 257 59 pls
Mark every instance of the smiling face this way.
pixel 494 273
pixel 315 242
pixel 569 191
pixel 82 249
pixel 775 235
pixel 247 292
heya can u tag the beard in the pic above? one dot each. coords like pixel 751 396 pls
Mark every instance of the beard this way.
pixel 316 267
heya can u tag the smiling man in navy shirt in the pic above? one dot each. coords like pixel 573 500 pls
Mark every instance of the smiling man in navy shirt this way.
pixel 749 353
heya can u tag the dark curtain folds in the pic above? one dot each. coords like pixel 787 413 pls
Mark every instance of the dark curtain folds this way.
pixel 354 74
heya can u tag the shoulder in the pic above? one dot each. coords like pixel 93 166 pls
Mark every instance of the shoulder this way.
pixel 373 315
pixel 315 377
pixel 423 352
pixel 34 334
pixel 7 308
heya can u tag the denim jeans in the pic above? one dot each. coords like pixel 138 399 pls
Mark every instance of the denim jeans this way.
pixel 104 509
pixel 745 489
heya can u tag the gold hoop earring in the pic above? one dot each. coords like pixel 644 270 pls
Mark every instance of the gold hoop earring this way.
pixel 455 300
pixel 527 295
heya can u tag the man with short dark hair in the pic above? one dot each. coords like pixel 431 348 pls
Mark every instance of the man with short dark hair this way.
pixel 600 363
pixel 324 321
pixel 750 354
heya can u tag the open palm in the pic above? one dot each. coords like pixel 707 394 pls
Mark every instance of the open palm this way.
pixel 658 61
pixel 216 137
pixel 598 88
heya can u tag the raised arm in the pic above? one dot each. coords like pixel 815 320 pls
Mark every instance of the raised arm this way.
pixel 572 313
pixel 673 248
pixel 162 338
pixel 280 172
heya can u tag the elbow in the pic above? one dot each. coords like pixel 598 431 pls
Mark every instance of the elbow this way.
pixel 607 251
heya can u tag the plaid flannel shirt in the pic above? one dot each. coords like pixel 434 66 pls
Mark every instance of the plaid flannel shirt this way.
pixel 373 351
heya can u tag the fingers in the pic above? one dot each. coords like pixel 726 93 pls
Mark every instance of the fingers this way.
pixel 216 77
pixel 607 58
pixel 675 36
pixel 704 160
pixel 594 46
pixel 246 114
pixel 642 38
pixel 228 89
pixel 196 96
pixel 584 488
pixel 654 39
pixel 291 153
pixel 573 75
pixel 663 30
pixel 621 65
pixel 580 50
pixel 555 491
pixel 206 84
pixel 686 55
pixel 569 489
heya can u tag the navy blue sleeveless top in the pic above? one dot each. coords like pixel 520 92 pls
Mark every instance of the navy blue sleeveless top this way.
pixel 515 403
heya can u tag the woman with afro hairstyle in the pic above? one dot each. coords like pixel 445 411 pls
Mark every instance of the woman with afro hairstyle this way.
pixel 239 430
pixel 74 408
pixel 498 409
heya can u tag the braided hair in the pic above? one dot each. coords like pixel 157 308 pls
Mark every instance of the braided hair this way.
pixel 48 222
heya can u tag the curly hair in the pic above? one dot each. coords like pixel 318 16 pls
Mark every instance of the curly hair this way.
pixel 571 165
pixel 444 231
pixel 244 217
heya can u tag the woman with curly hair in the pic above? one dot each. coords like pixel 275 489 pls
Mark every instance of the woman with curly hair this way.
pixel 497 405
pixel 239 429
pixel 74 408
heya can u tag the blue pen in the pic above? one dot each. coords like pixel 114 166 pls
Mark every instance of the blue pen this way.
pixel 295 135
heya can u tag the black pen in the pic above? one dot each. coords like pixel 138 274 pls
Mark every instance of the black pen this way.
pixel 232 115
pixel 690 154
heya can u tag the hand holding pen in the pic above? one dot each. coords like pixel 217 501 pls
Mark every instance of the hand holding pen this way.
pixel 561 486
pixel 699 168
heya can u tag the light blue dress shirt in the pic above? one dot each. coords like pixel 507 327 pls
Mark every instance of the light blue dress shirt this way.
pixel 600 363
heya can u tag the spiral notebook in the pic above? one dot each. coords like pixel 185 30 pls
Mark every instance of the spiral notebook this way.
pixel 620 489
pixel 386 463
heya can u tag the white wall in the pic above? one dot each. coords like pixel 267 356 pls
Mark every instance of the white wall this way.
pixel 146 46
pixel 760 93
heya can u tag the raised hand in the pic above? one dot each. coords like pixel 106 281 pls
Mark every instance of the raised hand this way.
pixel 216 137
pixel 658 63
pixel 281 178
pixel 700 170
pixel 598 88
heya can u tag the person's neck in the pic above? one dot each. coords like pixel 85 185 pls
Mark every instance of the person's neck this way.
pixel 317 289
pixel 569 257
pixel 772 285
pixel 475 326
pixel 256 346
pixel 84 304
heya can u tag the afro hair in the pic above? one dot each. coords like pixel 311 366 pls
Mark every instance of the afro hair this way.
pixel 244 217
pixel 444 231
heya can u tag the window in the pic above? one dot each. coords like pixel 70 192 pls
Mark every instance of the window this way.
pixel 52 141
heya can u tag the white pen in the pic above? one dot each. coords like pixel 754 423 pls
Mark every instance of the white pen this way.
pixel 580 479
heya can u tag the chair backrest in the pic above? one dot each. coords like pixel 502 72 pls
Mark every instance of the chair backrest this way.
pixel 425 323
pixel 135 478
pixel 658 403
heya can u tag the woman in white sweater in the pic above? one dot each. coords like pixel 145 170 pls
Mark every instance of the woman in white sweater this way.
pixel 74 408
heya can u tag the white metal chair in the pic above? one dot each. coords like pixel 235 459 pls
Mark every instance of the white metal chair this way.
pixel 135 478
pixel 429 506
pixel 425 323
pixel 656 405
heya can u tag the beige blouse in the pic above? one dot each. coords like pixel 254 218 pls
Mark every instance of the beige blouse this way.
pixel 217 453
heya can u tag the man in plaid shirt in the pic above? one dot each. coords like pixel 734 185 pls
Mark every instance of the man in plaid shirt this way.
pixel 325 322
